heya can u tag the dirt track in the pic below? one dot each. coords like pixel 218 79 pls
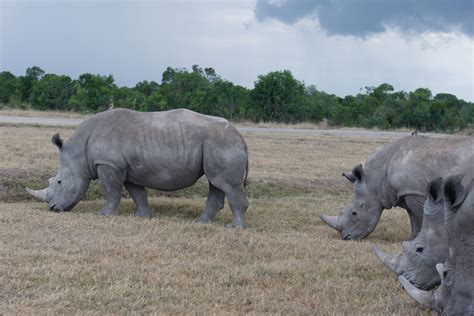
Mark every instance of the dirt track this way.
pixel 330 132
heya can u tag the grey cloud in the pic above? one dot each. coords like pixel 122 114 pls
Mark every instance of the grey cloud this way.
pixel 365 17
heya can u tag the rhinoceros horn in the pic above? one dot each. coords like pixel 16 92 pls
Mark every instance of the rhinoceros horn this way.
pixel 331 221
pixel 40 194
pixel 426 298
pixel 389 260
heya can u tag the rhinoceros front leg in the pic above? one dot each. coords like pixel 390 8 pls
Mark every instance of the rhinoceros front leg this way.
pixel 215 202
pixel 111 180
pixel 139 196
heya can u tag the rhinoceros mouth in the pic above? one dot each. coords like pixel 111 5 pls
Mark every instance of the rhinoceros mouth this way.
pixel 55 209
pixel 420 285
pixel 346 236
pixel 349 236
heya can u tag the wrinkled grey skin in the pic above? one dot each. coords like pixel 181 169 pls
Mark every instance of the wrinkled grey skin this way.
pixel 455 296
pixel 160 150
pixel 417 263
pixel 397 174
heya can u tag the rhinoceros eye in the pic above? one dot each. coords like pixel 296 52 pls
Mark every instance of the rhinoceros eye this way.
pixel 419 249
pixel 354 213
pixel 59 181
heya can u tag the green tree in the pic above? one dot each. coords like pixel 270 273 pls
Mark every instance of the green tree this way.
pixel 168 75
pixel 155 102
pixel 184 89
pixel 211 75
pixel 227 100
pixel 27 82
pixel 417 110
pixel 52 92
pixel 318 104
pixel 35 73
pixel 128 98
pixel 147 88
pixel 93 93
pixel 278 96
pixel 8 85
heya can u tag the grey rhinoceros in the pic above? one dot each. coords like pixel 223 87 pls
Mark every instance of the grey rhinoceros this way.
pixel 455 296
pixel 166 151
pixel 417 262
pixel 397 174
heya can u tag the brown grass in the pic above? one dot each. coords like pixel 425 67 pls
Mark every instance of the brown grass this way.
pixel 286 262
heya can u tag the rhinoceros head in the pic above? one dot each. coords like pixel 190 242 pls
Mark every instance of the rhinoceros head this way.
pixel 419 258
pixel 69 186
pixel 456 293
pixel 358 219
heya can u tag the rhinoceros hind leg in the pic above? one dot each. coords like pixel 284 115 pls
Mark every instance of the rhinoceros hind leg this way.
pixel 111 180
pixel 139 196
pixel 238 204
pixel 215 202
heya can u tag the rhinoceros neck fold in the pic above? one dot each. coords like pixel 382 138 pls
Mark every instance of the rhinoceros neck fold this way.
pixel 377 168
pixel 77 148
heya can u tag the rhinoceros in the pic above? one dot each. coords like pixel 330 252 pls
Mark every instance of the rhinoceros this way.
pixel 397 174
pixel 417 263
pixel 166 151
pixel 455 296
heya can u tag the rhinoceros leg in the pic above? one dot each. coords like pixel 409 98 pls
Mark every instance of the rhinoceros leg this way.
pixel 238 204
pixel 139 196
pixel 111 180
pixel 215 202
pixel 414 205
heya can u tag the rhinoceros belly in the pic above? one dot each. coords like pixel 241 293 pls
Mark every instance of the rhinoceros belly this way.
pixel 166 169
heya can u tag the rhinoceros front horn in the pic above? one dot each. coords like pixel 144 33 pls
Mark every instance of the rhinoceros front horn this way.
pixel 425 298
pixel 40 194
pixel 331 221
pixel 389 260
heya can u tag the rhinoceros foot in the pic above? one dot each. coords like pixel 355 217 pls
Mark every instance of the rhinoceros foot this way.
pixel 203 220
pixel 236 225
pixel 107 212
pixel 145 212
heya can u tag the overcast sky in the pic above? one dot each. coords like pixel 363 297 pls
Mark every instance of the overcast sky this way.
pixel 340 46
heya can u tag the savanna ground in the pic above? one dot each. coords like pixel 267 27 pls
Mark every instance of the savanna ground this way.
pixel 286 262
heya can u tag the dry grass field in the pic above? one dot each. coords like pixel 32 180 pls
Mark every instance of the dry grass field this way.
pixel 286 262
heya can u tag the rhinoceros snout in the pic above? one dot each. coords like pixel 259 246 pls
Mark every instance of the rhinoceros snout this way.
pixel 346 236
pixel 55 209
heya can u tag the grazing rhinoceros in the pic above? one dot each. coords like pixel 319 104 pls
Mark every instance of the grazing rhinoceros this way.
pixel 455 296
pixel 418 261
pixel 397 174
pixel 161 150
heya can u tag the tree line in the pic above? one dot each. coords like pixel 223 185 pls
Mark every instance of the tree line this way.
pixel 276 96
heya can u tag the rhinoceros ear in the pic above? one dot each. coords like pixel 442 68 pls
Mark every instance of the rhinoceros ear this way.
pixel 454 191
pixel 56 140
pixel 358 172
pixel 434 189
pixel 349 176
